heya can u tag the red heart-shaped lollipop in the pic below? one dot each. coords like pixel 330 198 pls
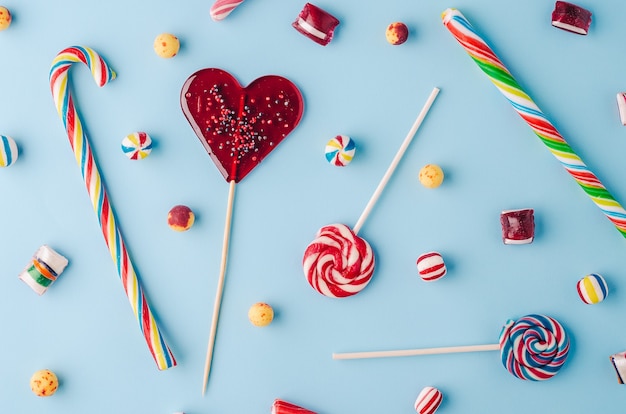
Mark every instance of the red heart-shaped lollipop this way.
pixel 240 126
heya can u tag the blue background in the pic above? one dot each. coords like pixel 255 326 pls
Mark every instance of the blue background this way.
pixel 359 85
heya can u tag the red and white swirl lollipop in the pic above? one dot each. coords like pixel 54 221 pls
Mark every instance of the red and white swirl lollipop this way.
pixel 339 263
pixel 533 347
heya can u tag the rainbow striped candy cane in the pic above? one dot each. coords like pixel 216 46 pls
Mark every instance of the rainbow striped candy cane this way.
pixel 84 157
pixel 487 60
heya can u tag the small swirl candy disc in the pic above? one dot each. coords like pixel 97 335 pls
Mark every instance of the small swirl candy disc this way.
pixel 8 151
pixel 338 263
pixel 239 126
pixel 340 150
pixel 137 146
pixel 534 347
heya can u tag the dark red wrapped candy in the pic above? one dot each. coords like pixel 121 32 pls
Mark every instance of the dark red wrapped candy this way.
pixel 316 24
pixel 518 226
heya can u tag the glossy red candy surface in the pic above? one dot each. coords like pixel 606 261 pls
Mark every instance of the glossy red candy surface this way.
pixel 518 226
pixel 240 126
pixel 570 17
pixel 316 24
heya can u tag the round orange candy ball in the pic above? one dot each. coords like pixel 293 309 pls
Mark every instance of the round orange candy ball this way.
pixel 431 176
pixel 180 218
pixel 5 18
pixel 397 33
pixel 166 45
pixel 261 314
pixel 44 383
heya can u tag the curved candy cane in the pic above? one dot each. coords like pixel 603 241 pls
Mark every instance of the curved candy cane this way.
pixel 488 62
pixel 84 157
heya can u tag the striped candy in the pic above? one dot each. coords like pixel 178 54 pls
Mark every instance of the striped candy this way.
pixel 428 400
pixel 489 63
pixel 222 8
pixel 84 157
pixel 338 263
pixel 534 347
pixel 44 268
pixel 340 150
pixel 592 289
pixel 8 151
pixel 431 266
pixel 137 146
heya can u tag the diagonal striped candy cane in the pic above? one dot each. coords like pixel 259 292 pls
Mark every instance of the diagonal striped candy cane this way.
pixel 84 157
pixel 488 62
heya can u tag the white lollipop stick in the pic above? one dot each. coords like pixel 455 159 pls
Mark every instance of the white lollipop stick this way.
pixel 396 160
pixel 415 352
pixel 220 286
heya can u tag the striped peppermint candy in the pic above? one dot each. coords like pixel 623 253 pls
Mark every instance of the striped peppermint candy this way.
pixel 222 8
pixel 428 400
pixel 431 266
pixel 338 263
pixel 490 64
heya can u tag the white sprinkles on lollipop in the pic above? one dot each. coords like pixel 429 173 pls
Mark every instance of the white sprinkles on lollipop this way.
pixel 8 151
pixel 340 150
pixel 137 145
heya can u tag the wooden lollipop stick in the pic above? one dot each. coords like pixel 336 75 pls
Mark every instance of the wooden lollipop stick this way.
pixel 414 352
pixel 396 160
pixel 220 285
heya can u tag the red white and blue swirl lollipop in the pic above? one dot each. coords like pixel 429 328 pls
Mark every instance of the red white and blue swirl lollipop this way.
pixel 533 347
